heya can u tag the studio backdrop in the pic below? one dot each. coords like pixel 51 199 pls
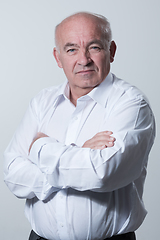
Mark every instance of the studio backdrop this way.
pixel 27 66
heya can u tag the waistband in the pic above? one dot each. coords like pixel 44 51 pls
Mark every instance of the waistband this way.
pixel 125 236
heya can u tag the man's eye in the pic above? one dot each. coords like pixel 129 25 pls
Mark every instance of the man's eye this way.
pixel 72 50
pixel 94 49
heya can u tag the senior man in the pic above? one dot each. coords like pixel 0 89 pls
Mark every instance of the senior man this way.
pixel 80 154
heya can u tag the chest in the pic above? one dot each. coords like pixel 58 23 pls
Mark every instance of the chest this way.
pixel 69 124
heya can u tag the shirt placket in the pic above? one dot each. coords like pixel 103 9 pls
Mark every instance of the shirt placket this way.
pixel 61 214
pixel 73 127
pixel 71 136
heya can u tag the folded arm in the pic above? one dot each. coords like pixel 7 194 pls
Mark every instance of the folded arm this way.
pixel 103 169
pixel 51 165
pixel 25 178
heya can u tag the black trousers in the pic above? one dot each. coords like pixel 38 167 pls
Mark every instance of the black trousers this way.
pixel 126 236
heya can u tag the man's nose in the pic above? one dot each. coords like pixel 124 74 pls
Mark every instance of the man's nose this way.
pixel 84 58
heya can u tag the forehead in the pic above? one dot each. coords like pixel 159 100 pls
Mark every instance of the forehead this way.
pixel 78 29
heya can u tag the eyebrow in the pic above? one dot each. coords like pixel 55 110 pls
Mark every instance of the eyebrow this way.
pixel 70 45
pixel 95 41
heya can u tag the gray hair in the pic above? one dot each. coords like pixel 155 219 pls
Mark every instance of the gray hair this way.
pixel 101 21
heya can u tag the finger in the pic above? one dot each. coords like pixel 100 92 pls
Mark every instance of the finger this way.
pixel 99 147
pixel 105 133
pixel 103 147
pixel 110 144
pixel 103 140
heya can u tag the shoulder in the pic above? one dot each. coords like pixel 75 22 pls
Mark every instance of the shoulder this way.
pixel 124 91
pixel 124 97
pixel 46 93
pixel 46 98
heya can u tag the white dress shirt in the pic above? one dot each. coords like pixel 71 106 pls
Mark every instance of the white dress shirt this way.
pixel 76 193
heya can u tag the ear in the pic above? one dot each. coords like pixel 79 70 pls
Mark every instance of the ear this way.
pixel 113 48
pixel 56 55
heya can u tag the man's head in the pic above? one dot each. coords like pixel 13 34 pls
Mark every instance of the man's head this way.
pixel 84 50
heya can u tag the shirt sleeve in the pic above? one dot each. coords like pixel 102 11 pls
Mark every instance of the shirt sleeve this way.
pixel 22 176
pixel 132 123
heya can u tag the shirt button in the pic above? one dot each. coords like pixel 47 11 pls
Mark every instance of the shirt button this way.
pixel 61 225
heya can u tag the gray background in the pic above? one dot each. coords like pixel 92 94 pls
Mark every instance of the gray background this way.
pixel 27 66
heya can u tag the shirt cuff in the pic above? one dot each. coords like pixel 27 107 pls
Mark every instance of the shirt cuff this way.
pixel 37 146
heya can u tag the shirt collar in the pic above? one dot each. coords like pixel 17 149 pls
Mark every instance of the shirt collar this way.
pixel 99 94
pixel 63 90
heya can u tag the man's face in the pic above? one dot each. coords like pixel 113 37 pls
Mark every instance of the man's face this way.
pixel 82 54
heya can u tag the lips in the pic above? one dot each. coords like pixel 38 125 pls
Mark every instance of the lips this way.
pixel 87 71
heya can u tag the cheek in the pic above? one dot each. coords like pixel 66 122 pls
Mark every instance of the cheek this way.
pixel 101 64
pixel 104 67
pixel 68 69
pixel 65 65
pixel 101 60
pixel 68 64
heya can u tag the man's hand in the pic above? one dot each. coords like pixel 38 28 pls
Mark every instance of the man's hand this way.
pixel 39 135
pixel 100 141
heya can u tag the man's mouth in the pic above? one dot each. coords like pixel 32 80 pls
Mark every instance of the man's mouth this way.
pixel 87 71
